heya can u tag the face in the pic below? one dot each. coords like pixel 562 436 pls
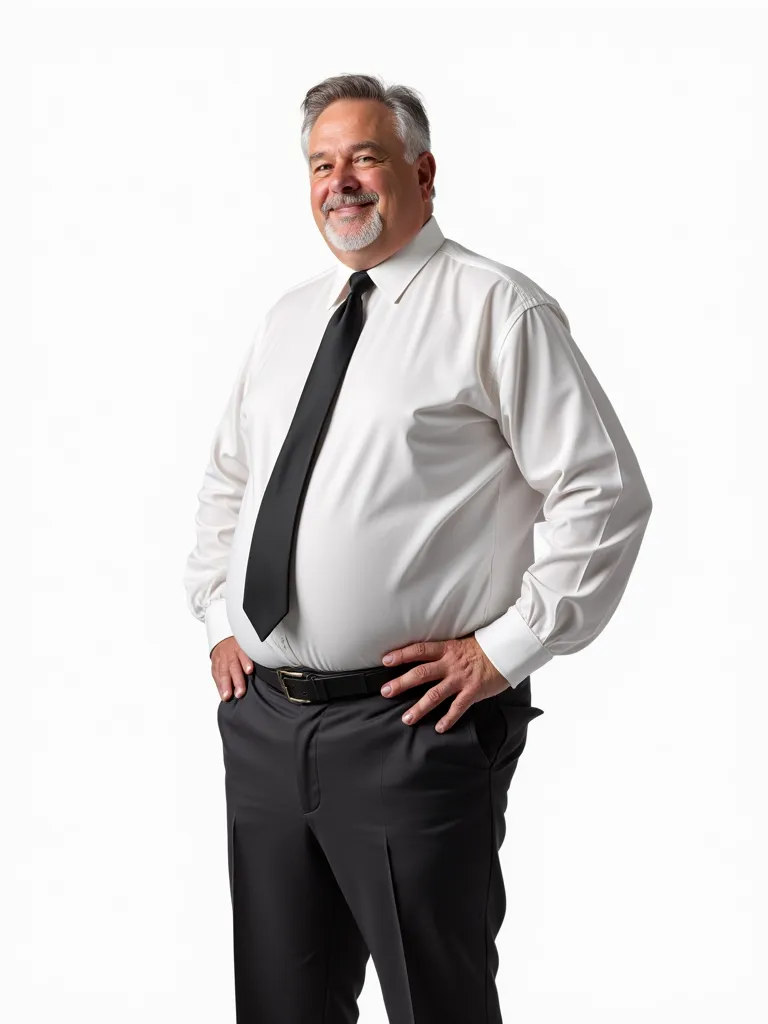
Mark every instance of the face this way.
pixel 366 200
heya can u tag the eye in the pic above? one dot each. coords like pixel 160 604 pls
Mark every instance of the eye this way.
pixel 321 166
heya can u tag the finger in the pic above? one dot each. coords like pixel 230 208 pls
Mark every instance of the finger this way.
pixel 228 674
pixel 414 677
pixel 223 680
pixel 238 677
pixel 428 701
pixel 456 709
pixel 423 650
pixel 246 662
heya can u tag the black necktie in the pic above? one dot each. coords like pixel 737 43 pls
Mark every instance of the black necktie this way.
pixel 265 596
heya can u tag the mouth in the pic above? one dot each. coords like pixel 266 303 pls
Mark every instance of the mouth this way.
pixel 347 207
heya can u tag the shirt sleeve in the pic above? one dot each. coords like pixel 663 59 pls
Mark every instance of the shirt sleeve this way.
pixel 219 500
pixel 571 448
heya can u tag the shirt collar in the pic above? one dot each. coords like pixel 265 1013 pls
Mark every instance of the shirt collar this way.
pixel 395 273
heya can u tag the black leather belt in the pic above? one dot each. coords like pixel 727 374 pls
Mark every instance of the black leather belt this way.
pixel 304 686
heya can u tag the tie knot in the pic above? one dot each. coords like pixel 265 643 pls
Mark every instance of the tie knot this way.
pixel 360 282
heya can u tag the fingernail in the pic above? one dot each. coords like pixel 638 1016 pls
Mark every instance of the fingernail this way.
pixel 388 658
pixel 407 717
pixel 386 690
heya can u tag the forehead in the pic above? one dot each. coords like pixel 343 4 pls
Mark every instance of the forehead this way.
pixel 345 124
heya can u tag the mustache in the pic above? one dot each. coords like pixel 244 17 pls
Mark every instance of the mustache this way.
pixel 357 201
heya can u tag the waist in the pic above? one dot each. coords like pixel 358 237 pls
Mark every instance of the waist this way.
pixel 307 686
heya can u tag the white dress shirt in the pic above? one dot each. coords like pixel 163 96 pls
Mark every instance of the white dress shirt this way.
pixel 467 417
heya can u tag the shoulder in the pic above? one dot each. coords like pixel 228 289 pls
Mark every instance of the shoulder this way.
pixel 485 274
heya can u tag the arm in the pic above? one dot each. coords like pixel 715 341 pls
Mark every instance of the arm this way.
pixel 569 446
pixel 218 509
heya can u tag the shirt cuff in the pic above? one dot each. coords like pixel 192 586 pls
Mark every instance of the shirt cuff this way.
pixel 216 622
pixel 512 647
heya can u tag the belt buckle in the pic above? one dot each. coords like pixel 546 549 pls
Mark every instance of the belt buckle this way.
pixel 290 672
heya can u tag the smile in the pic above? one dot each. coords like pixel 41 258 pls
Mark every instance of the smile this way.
pixel 349 207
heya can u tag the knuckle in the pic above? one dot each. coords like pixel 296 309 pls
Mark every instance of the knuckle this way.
pixel 452 649
pixel 462 703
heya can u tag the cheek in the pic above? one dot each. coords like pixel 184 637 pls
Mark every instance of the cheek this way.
pixel 376 182
pixel 318 195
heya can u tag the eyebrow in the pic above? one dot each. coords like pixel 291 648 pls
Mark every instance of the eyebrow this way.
pixel 365 144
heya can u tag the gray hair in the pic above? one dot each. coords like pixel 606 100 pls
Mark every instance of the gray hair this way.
pixel 411 121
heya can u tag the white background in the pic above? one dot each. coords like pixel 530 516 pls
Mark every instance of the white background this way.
pixel 154 204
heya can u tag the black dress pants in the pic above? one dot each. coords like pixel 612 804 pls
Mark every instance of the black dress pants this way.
pixel 353 834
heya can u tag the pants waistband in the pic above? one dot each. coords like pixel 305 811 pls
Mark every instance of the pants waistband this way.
pixel 307 686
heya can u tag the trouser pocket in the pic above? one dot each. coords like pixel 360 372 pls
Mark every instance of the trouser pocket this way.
pixel 500 725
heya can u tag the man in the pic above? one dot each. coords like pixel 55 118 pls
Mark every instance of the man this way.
pixel 399 425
